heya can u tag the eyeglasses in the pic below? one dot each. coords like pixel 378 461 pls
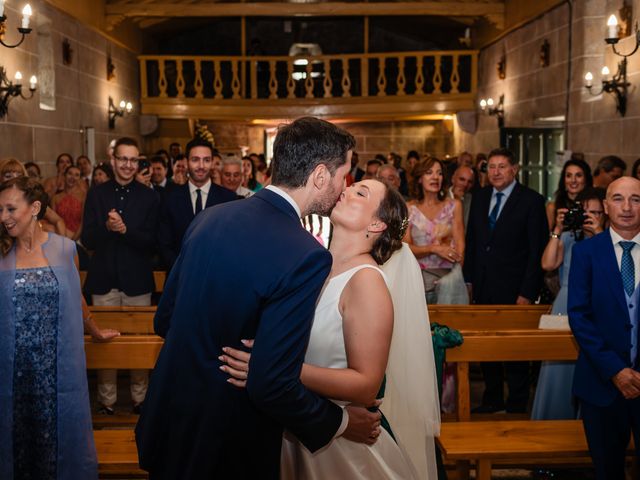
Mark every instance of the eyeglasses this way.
pixel 125 160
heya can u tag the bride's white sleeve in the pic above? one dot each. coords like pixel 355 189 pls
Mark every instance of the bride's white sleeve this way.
pixel 411 402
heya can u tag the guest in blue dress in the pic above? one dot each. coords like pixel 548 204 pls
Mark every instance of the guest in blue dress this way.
pixel 45 419
pixel 553 399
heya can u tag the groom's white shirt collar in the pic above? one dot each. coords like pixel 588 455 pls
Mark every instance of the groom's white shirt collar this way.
pixel 286 196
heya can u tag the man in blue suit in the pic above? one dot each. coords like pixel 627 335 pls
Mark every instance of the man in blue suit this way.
pixel 182 203
pixel 603 312
pixel 222 289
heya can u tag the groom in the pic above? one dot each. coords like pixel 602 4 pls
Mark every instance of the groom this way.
pixel 247 269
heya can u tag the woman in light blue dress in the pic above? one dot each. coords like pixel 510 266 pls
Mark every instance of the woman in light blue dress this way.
pixel 45 420
pixel 554 399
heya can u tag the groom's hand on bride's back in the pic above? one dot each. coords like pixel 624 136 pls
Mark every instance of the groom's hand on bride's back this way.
pixel 363 426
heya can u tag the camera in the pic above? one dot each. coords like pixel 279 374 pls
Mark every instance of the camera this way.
pixel 143 164
pixel 574 218
pixel 483 167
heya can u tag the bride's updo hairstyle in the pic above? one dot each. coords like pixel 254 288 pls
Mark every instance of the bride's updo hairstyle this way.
pixel 392 211
pixel 33 192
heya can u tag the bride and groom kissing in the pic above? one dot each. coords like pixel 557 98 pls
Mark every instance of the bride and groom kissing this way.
pixel 314 339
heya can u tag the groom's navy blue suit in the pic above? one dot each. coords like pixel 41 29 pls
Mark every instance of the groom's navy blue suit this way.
pixel 599 316
pixel 247 269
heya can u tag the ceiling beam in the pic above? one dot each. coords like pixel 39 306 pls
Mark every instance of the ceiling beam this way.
pixel 268 9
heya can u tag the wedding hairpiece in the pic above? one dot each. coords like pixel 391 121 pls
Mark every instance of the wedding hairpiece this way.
pixel 403 228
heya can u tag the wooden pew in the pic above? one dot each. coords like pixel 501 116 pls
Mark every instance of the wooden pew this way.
pixel 127 320
pixel 523 442
pixel 159 278
pixel 125 352
pixel 505 346
pixel 117 454
pixel 488 317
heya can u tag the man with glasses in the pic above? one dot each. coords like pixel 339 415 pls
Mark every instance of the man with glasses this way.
pixel 119 226
pixel 183 202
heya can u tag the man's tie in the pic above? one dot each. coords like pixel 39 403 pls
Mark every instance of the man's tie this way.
pixel 198 201
pixel 627 268
pixel 493 216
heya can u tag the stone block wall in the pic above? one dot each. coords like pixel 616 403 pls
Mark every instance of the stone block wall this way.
pixel 532 92
pixel 82 91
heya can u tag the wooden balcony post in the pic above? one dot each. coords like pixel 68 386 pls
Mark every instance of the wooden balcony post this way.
pixel 198 83
pixel 346 80
pixel 437 76
pixel 308 82
pixel 273 82
pixel 162 79
pixel 180 79
pixel 143 78
pixel 254 79
pixel 235 80
pixel 217 81
pixel 455 77
pixel 327 83
pixel 382 78
pixel 291 83
pixel 419 76
pixel 402 81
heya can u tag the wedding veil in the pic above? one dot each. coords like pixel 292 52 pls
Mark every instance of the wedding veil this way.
pixel 411 402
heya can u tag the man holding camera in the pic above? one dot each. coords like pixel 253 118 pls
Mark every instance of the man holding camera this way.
pixel 119 226
pixel 506 234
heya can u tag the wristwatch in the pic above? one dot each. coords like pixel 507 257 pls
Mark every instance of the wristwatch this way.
pixel 554 235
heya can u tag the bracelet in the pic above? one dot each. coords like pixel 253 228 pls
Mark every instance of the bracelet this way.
pixel 554 235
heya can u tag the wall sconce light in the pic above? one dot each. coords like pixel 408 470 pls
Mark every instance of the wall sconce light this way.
pixel 123 109
pixel 24 29
pixel 489 107
pixel 9 90
pixel 618 84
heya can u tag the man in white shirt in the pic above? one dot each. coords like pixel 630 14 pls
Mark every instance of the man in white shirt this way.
pixel 232 176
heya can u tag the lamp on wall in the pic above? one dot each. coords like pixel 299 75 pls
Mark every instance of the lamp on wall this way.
pixel 123 109
pixel 616 85
pixel 23 29
pixel 9 90
pixel 489 107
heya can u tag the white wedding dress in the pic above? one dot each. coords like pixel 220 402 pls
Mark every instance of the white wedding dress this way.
pixel 342 458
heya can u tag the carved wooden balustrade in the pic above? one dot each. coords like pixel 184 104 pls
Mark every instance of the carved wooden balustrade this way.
pixel 282 86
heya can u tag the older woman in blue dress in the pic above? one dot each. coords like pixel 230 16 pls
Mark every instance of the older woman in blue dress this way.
pixel 553 399
pixel 45 419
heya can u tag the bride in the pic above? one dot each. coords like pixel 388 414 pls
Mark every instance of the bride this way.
pixel 354 342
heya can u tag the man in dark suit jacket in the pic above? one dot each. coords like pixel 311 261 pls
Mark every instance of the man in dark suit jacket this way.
pixel 603 308
pixel 506 235
pixel 119 225
pixel 195 424
pixel 183 202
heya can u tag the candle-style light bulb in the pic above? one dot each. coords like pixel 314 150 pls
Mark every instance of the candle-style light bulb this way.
pixel 18 77
pixel 129 107
pixel 123 104
pixel 483 104
pixel 490 102
pixel 605 72
pixel 26 14
pixel 612 27
pixel 32 82
pixel 589 79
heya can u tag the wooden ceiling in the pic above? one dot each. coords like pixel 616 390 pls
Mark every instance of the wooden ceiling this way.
pixel 147 13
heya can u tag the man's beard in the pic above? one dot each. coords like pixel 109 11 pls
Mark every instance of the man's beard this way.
pixel 324 205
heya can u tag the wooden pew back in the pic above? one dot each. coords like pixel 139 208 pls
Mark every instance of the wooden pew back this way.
pixel 488 317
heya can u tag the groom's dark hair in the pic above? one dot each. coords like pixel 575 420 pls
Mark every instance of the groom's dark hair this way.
pixel 304 144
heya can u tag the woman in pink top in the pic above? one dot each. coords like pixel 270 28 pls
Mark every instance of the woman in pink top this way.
pixel 436 231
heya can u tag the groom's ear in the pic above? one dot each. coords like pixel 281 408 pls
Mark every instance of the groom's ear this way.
pixel 377 226
pixel 320 176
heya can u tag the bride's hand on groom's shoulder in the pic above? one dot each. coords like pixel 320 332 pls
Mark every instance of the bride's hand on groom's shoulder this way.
pixel 236 364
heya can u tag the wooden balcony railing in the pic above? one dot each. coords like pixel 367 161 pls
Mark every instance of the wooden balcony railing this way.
pixel 190 81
